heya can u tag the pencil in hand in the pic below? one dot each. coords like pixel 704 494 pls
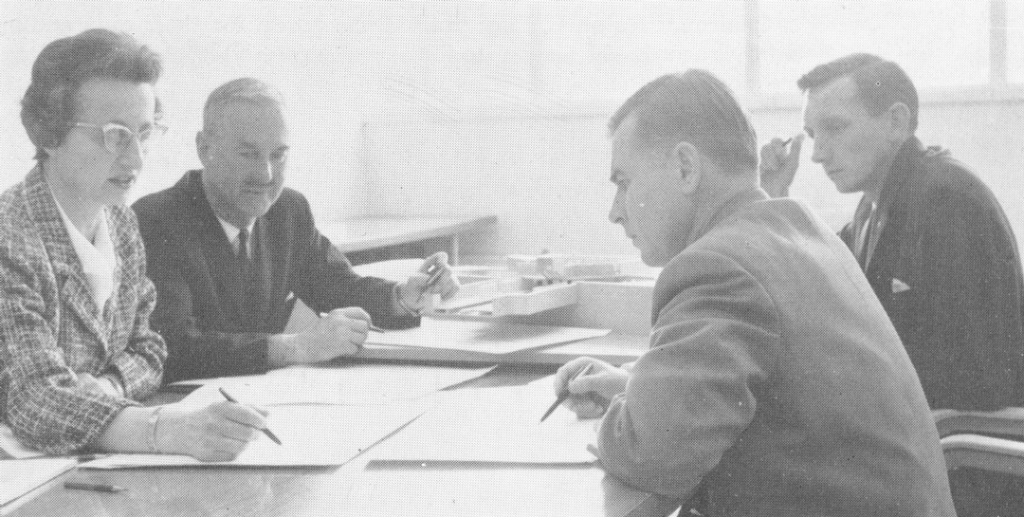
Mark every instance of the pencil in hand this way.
pixel 265 430
pixel 565 394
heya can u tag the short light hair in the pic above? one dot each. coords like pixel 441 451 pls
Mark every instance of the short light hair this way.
pixel 880 83
pixel 694 107
pixel 50 105
pixel 245 89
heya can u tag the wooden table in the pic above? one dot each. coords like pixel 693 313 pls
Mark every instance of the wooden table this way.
pixel 369 233
pixel 359 488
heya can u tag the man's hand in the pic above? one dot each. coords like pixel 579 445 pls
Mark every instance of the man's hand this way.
pixel 434 277
pixel 779 166
pixel 217 432
pixel 590 392
pixel 337 333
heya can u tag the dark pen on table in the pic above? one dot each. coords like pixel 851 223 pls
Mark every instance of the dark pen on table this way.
pixel 565 394
pixel 265 430
pixel 94 487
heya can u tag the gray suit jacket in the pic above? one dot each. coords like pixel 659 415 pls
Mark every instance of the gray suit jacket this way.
pixel 775 379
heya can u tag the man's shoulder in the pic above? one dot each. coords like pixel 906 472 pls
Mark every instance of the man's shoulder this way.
pixel 763 227
pixel 290 206
pixel 160 204
pixel 939 180
pixel 291 199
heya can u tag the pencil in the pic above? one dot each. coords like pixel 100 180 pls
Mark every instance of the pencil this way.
pixel 266 431
pixel 95 487
pixel 564 394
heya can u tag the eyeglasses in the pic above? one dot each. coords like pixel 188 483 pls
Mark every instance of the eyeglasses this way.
pixel 118 139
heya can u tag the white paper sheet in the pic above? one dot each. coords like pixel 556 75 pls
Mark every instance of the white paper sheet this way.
pixel 347 385
pixel 19 477
pixel 493 337
pixel 312 435
pixel 493 425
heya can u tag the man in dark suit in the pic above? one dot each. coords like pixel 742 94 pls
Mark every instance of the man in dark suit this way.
pixel 230 249
pixel 932 239
pixel 774 381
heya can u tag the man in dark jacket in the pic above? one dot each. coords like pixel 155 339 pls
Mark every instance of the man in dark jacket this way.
pixel 230 250
pixel 930 236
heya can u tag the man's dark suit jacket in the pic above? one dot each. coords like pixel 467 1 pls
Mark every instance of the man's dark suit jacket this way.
pixel 201 294
pixel 948 273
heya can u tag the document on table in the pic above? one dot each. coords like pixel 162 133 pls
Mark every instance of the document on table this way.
pixel 357 384
pixel 311 436
pixel 493 425
pixel 491 337
pixel 19 477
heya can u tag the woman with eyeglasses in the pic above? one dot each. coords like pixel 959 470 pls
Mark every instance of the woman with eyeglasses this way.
pixel 76 350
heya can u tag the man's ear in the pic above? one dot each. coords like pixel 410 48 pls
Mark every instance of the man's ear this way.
pixel 202 148
pixel 899 119
pixel 686 162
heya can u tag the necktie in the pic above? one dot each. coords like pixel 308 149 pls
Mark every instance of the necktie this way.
pixel 246 270
pixel 242 255
pixel 864 220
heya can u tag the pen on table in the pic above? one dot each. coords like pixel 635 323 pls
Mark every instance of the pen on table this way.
pixel 265 430
pixel 564 394
pixel 95 487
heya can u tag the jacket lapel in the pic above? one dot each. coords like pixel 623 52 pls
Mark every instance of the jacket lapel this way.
pixel 75 291
pixel 902 168
pixel 216 260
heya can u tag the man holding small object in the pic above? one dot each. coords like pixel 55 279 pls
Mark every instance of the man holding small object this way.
pixel 931 238
pixel 230 250
pixel 774 383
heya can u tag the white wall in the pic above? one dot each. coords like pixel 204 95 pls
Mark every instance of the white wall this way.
pixel 500 107
pixel 547 178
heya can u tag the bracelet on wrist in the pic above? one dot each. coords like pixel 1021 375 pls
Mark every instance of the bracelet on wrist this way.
pixel 152 422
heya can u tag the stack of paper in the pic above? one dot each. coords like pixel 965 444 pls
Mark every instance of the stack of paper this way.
pixel 20 477
pixel 493 425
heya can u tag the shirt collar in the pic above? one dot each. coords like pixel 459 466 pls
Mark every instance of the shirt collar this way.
pixel 232 231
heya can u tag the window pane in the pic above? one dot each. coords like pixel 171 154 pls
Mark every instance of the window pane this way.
pixel 1015 41
pixel 603 52
pixel 938 42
